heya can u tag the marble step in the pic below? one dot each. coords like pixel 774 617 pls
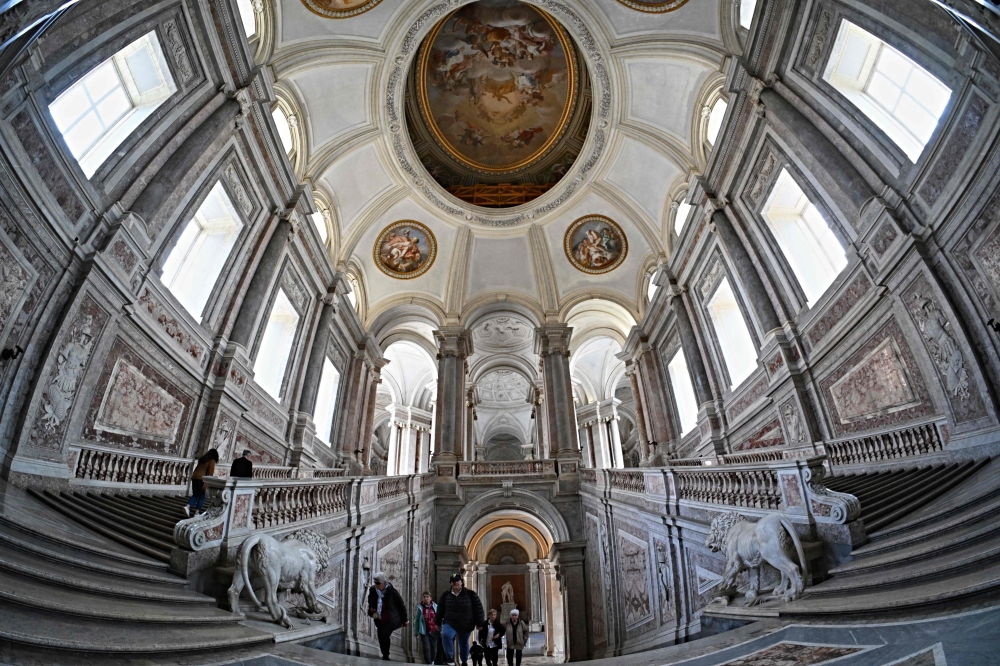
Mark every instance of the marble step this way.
pixel 977 581
pixel 982 486
pixel 864 484
pixel 944 541
pixel 938 480
pixel 921 498
pixel 35 593
pixel 894 489
pixel 126 520
pixel 970 555
pixel 72 556
pixel 172 510
pixel 65 541
pixel 26 564
pixel 30 626
pixel 111 529
pixel 131 507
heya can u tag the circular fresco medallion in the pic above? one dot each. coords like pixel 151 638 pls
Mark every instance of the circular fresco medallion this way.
pixel 338 9
pixel 496 84
pixel 405 249
pixel 595 244
pixel 654 7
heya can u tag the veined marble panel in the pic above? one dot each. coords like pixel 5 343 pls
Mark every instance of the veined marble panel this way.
pixel 134 405
pixel 800 654
pixel 596 580
pixel 633 557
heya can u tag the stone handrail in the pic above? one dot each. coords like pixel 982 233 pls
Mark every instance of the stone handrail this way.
pixel 903 443
pixel 393 487
pixel 281 505
pixel 506 468
pixel 101 465
pixel 792 485
pixel 329 473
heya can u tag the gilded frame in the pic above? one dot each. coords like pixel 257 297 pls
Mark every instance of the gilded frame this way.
pixel 313 6
pixel 424 267
pixel 568 244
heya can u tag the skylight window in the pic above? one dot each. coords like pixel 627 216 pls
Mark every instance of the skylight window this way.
pixel 807 241
pixel 196 260
pixel 747 8
pixel 902 98
pixel 98 112
pixel 326 401
pixel 680 380
pixel 715 120
pixel 284 129
pixel 738 350
pixel 681 217
pixel 248 16
pixel 276 345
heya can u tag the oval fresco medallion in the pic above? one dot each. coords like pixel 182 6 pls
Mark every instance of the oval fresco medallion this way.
pixel 405 249
pixel 496 84
pixel 595 244
pixel 339 8
pixel 654 6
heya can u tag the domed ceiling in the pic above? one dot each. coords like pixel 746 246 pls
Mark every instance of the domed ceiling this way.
pixel 498 103
pixel 577 114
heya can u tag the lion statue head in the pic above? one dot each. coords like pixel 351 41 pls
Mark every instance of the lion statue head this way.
pixel 316 541
pixel 721 525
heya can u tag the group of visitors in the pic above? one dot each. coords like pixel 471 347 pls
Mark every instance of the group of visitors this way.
pixel 241 467
pixel 454 618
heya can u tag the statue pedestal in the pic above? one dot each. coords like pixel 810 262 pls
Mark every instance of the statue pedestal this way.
pixel 505 610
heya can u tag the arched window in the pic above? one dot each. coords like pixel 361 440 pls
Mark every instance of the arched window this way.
pixel 248 16
pixel 98 112
pixel 284 129
pixel 902 98
pixel 320 221
pixel 193 266
pixel 804 236
pixel 651 286
pixel 681 216
pixel 747 8
pixel 352 296
pixel 715 117
pixel 326 401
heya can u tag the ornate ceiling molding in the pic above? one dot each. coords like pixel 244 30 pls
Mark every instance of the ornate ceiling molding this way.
pixel 357 7
pixel 654 7
pixel 410 164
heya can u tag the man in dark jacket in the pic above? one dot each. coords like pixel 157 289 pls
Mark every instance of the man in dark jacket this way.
pixel 386 607
pixel 242 467
pixel 459 612
pixel 491 637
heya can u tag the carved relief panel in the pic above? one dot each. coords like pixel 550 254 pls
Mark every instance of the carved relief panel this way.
pixel 597 585
pixel 635 579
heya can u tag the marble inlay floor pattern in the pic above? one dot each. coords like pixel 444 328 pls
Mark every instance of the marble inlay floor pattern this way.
pixel 795 654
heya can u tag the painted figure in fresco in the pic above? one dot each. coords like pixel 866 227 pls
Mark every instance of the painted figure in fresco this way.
pixel 401 252
pixel 598 249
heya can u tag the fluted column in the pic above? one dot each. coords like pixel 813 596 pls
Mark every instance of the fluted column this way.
pixel 750 279
pixel 552 347
pixel 260 283
pixel 454 347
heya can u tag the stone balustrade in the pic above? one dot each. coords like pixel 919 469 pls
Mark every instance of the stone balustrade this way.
pixel 103 466
pixel 752 488
pixel 630 481
pixel 281 505
pixel 903 443
pixel 393 487
pixel 507 468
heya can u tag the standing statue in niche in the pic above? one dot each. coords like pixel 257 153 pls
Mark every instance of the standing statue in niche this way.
pixel 507 592
pixel 70 364
pixel 947 356
pixel 793 425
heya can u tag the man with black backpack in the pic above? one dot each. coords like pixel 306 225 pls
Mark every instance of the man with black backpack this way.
pixel 459 612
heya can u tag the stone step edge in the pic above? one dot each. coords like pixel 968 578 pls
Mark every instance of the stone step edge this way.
pixel 100 648
pixel 93 510
pixel 956 521
pixel 162 578
pixel 132 512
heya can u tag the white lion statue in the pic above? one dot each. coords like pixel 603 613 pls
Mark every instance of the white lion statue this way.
pixel 289 564
pixel 748 545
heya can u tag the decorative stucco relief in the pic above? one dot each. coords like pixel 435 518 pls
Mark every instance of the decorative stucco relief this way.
pixel 265 413
pixel 16 277
pixel 663 580
pixel 171 327
pixel 222 439
pixel 258 454
pixel 711 278
pixel 941 340
pixel 633 558
pixel 175 45
pixel 877 386
pixel 596 580
pixel 955 149
pixel 65 374
pixel 795 432
pixel 134 405
pixel 243 199
pixel 820 37
pixel 836 312
pixel 883 239
pixel 765 437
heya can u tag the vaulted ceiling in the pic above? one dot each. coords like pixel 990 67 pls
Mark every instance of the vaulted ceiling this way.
pixel 342 80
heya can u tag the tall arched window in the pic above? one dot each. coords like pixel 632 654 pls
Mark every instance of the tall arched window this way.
pixel 680 381
pixel 715 117
pixel 284 129
pixel 276 345
pixel 249 17
pixel 731 330
pixel 326 401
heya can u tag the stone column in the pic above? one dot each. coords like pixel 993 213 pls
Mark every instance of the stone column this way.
pixel 471 400
pixel 260 284
pixel 649 381
pixel 536 582
pixel 317 355
pixel 586 446
pixel 617 455
pixel 692 352
pixel 750 279
pixel 395 435
pixel 454 347
pixel 632 371
pixel 572 586
pixel 538 414
pixel 599 440
pixel 552 347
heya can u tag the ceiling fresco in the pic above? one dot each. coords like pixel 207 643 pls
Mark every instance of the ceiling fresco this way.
pixel 595 244
pixel 339 8
pixel 405 249
pixel 497 81
pixel 654 6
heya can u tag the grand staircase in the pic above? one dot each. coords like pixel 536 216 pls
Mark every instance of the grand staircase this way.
pixel 88 598
pixel 935 542
pixel 144 524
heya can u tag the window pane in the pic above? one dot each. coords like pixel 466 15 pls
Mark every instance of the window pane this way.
pixel 69 106
pixel 276 345
pixel 928 91
pixel 284 131
pixel 884 91
pixel 140 65
pixel 683 213
pixel 916 118
pixel 738 350
pixel 893 65
pixel 195 262
pixel 680 380
pixel 326 400
pixel 248 17
pixel 715 120
pixel 113 107
pixel 102 80
pixel 320 223
pixel 746 12
pixel 84 133
pixel 853 59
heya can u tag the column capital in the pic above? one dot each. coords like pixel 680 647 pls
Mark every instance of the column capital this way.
pixel 454 341
pixel 553 339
